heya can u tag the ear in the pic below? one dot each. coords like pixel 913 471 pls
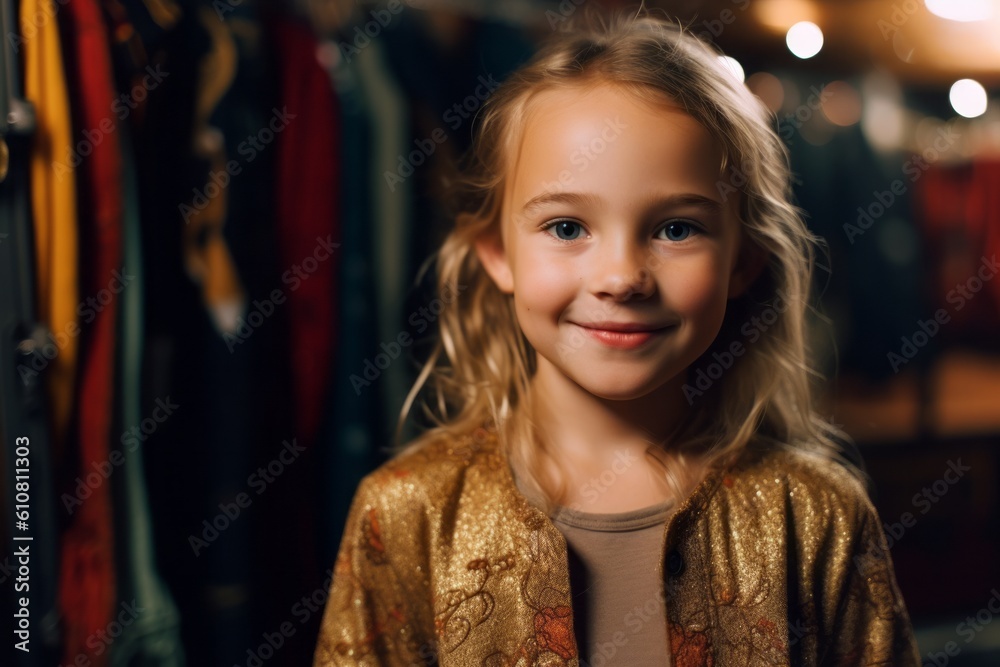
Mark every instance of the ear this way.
pixel 750 263
pixel 491 252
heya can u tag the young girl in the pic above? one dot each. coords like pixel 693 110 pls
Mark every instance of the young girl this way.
pixel 626 467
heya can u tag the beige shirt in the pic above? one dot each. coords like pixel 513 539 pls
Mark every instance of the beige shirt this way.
pixel 616 584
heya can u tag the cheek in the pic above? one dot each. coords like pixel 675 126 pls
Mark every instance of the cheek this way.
pixel 542 282
pixel 698 290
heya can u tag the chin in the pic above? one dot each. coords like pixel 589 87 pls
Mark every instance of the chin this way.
pixel 615 389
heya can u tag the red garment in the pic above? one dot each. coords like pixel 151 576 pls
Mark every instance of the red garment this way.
pixel 959 211
pixel 307 221
pixel 307 216
pixel 984 205
pixel 87 582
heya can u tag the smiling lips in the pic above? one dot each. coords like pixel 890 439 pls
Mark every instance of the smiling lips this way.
pixel 622 335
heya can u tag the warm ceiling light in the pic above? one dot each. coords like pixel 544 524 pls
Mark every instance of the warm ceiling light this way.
pixel 782 14
pixel 733 66
pixel 961 10
pixel 968 98
pixel 804 39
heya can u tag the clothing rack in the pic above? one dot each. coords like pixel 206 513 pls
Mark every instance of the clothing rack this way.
pixel 22 400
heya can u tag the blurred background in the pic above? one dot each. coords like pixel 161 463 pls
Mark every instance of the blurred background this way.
pixel 212 216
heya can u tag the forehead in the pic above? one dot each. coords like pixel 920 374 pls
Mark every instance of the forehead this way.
pixel 605 139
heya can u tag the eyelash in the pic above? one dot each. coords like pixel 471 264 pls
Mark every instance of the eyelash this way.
pixel 691 225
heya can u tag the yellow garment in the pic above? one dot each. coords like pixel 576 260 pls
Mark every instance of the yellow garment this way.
pixel 53 204
pixel 206 255
pixel 778 561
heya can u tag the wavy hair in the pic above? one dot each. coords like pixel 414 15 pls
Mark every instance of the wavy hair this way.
pixel 478 373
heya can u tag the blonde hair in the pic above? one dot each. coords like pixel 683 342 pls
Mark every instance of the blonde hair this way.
pixel 479 370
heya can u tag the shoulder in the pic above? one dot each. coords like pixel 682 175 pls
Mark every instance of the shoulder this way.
pixel 407 507
pixel 800 467
pixel 813 490
pixel 431 470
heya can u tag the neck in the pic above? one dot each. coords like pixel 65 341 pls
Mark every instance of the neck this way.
pixel 588 436
pixel 574 420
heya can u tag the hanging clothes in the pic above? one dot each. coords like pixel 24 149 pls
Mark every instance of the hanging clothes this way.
pixel 24 411
pixel 88 582
pixel 984 205
pixel 53 206
pixel 305 124
pixel 391 221
pixel 207 257
pixel 349 447
pixel 838 179
pixel 153 638
pixel 959 219
pixel 307 200
pixel 207 114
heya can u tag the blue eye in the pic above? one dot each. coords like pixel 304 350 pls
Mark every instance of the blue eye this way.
pixel 678 231
pixel 570 229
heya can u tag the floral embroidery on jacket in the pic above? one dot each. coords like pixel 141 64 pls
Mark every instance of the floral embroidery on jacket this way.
pixel 374 548
pixel 689 648
pixel 553 631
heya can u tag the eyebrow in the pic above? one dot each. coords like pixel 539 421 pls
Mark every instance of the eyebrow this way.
pixel 575 198
pixel 548 198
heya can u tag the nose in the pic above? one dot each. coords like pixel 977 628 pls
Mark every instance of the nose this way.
pixel 622 271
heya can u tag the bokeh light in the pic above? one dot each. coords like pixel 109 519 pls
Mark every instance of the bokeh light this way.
pixel 968 98
pixel 804 39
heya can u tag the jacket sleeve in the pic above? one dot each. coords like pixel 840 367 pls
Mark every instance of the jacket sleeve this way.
pixel 369 618
pixel 872 626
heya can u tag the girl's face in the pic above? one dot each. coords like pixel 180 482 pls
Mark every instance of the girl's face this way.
pixel 615 241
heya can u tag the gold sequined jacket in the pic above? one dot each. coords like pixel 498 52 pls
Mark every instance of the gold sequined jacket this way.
pixel 779 560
